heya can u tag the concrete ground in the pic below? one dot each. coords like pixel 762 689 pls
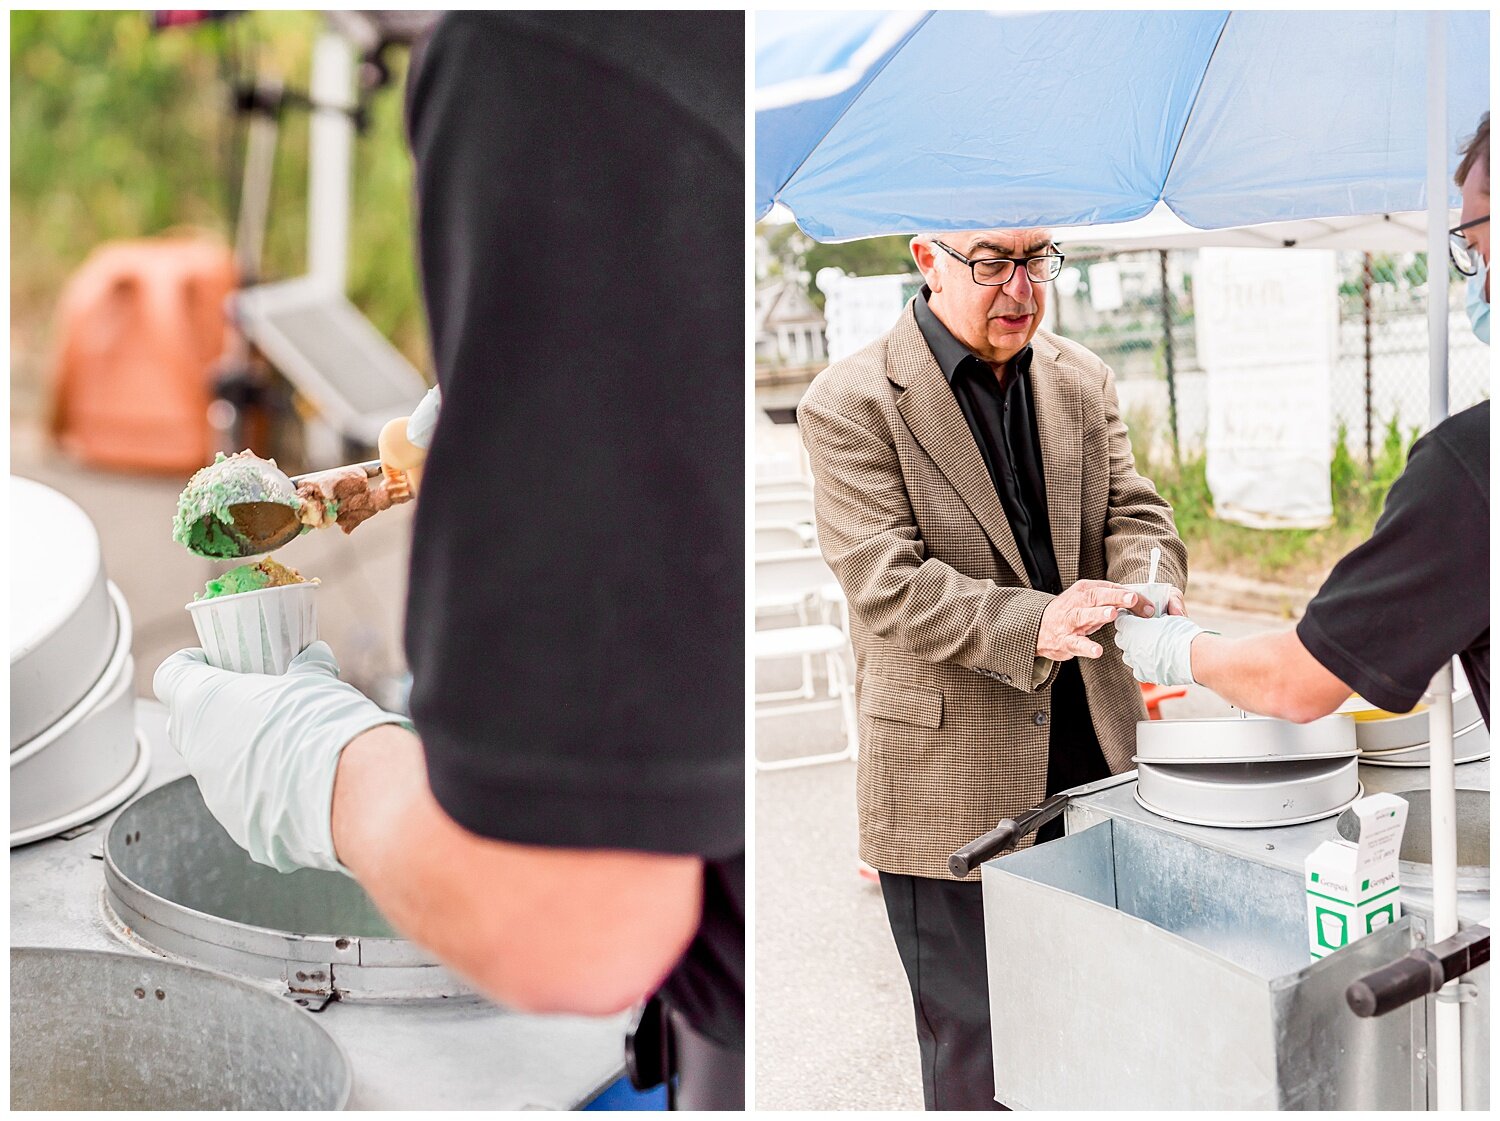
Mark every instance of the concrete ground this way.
pixel 363 575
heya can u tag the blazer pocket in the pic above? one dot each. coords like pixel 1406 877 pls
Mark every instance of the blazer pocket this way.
pixel 905 704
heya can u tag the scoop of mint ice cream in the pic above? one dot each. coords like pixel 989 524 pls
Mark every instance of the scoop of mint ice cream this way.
pixel 203 523
pixel 250 578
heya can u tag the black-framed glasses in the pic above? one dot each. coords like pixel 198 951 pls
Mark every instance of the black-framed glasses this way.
pixel 1464 256
pixel 995 271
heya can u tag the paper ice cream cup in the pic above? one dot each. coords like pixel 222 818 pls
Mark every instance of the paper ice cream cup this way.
pixel 1156 594
pixel 260 631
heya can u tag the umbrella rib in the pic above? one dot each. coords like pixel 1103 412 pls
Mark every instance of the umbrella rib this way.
pixel 921 23
pixel 1188 120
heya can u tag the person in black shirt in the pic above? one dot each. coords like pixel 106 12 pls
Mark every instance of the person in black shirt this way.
pixel 568 831
pixel 1397 608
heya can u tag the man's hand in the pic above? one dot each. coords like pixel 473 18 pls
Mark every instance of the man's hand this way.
pixel 1158 651
pixel 1158 599
pixel 1078 612
pixel 264 749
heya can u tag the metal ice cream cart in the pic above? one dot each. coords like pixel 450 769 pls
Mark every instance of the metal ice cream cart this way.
pixel 1140 962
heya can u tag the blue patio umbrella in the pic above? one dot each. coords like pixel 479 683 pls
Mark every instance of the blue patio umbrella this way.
pixel 881 123
pixel 874 123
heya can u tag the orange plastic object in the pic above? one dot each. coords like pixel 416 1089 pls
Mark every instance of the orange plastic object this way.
pixel 140 327
pixel 1153 695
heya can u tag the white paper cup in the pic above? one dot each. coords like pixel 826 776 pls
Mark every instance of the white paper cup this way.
pixel 1155 594
pixel 260 631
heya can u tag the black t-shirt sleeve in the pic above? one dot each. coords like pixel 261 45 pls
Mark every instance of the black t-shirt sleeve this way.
pixel 1417 592
pixel 575 620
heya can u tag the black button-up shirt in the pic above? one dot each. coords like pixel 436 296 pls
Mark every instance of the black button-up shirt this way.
pixel 1003 422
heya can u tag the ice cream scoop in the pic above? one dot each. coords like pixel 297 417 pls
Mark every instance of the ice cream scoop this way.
pixel 242 505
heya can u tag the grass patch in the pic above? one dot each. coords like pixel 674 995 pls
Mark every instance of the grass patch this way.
pixel 1297 557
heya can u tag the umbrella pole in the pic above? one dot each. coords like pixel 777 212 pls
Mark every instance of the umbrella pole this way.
pixel 1444 797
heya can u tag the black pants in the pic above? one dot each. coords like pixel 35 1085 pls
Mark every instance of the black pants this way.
pixel 939 931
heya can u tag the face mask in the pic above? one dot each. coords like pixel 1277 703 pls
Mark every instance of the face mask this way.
pixel 1477 306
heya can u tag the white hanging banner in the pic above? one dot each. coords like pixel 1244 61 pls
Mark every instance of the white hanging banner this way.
pixel 1267 332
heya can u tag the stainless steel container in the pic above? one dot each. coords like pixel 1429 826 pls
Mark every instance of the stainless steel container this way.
pixel 1248 795
pixel 62 630
pixel 177 883
pixel 1237 740
pixel 93 1030
pixel 1134 968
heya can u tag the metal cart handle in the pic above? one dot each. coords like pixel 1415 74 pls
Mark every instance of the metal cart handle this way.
pixel 1004 836
pixel 1419 973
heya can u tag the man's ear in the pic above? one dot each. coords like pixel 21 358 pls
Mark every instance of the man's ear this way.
pixel 922 254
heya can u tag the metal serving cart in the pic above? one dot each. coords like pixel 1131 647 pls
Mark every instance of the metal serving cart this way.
pixel 1138 962
pixel 412 1036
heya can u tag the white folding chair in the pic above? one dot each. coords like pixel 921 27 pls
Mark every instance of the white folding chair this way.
pixel 778 537
pixel 796 508
pixel 808 642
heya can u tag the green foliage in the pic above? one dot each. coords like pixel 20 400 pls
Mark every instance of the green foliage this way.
pixel 873 256
pixel 1294 556
pixel 117 133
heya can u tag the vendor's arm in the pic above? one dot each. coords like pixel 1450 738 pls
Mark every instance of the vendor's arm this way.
pixel 1271 674
pixel 869 536
pixel 542 929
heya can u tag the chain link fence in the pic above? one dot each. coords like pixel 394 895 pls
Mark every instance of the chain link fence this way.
pixel 1380 376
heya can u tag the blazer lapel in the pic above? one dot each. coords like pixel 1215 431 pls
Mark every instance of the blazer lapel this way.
pixel 932 413
pixel 1059 423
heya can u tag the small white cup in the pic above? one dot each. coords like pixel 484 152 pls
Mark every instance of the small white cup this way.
pixel 1155 594
pixel 260 631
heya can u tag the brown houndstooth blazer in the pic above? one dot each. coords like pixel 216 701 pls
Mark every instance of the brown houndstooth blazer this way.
pixel 954 705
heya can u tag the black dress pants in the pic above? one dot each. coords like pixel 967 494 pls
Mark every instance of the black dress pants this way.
pixel 939 931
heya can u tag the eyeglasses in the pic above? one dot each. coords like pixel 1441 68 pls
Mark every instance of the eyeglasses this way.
pixel 1465 257
pixel 995 271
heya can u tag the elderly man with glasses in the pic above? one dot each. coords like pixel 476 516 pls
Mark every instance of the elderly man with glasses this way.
pixel 976 496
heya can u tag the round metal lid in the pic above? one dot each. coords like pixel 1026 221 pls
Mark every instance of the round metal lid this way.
pixel 88 770
pixel 1248 795
pixel 1469 746
pixel 1243 740
pixel 95 1030
pixel 62 631
pixel 1397 733
pixel 176 882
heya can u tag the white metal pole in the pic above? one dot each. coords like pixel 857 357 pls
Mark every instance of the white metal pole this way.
pixel 331 140
pixel 1440 715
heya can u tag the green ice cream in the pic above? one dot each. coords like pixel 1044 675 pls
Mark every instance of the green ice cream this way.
pixel 250 578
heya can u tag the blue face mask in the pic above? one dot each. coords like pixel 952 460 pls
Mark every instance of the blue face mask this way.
pixel 1477 306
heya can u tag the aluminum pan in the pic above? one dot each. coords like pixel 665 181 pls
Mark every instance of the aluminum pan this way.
pixel 73 772
pixel 94 1030
pixel 1469 746
pixel 62 629
pixel 1248 795
pixel 177 883
pixel 1396 733
pixel 1243 740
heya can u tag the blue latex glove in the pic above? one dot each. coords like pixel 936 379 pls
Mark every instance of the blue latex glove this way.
pixel 1159 650
pixel 264 748
pixel 423 421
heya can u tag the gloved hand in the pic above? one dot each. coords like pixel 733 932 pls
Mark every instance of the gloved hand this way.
pixel 1158 651
pixel 423 420
pixel 264 748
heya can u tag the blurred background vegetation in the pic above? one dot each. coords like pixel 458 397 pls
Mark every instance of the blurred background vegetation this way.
pixel 117 131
